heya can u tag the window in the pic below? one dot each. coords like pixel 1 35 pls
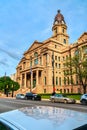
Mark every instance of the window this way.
pixel 44 80
pixel 36 58
pixel 55 57
pixel 55 46
pixel 40 61
pixel 24 64
pixel 36 61
pixel 56 80
pixel 64 81
pixel 35 54
pixel 31 61
pixel 64 41
pixel 60 81
pixel 63 30
pixel 44 90
pixel 56 65
pixel 66 57
pixel 59 66
pixel 68 80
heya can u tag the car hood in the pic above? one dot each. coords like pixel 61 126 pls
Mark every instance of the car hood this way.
pixel 44 118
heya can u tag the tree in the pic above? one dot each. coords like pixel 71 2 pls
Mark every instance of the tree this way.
pixel 8 85
pixel 77 66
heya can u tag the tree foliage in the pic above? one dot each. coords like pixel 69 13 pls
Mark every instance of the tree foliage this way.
pixel 77 66
pixel 7 84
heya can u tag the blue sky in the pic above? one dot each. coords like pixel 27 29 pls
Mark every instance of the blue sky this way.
pixel 24 21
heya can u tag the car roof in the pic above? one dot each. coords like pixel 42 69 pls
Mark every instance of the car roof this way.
pixel 44 118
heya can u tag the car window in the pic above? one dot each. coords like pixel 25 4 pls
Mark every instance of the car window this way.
pixel 22 94
pixel 30 94
pixel 4 127
pixel 57 95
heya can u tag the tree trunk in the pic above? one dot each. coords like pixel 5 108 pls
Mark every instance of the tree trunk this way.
pixel 84 88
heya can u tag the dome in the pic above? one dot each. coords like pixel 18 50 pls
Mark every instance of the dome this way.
pixel 59 18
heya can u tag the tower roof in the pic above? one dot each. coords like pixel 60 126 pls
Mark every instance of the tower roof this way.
pixel 59 18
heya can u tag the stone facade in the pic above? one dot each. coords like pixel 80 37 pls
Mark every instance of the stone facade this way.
pixel 41 70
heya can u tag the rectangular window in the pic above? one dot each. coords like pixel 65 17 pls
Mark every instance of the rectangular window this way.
pixel 68 80
pixel 40 61
pixel 64 81
pixel 56 80
pixel 30 63
pixel 56 65
pixel 59 66
pixel 44 80
pixel 36 61
pixel 55 57
pixel 60 81
pixel 55 46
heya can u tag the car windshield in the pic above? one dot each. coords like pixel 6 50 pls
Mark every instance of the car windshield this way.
pixel 22 94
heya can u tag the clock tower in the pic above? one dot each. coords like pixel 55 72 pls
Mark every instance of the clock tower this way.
pixel 60 29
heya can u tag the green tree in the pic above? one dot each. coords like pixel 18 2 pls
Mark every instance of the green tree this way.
pixel 77 66
pixel 8 85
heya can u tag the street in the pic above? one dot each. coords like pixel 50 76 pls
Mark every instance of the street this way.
pixel 7 104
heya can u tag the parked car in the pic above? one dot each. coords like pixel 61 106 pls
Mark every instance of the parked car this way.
pixel 42 118
pixel 61 98
pixel 32 96
pixel 20 96
pixel 83 99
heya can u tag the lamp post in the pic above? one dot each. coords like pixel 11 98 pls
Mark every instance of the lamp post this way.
pixel 12 90
pixel 53 72
pixel 7 90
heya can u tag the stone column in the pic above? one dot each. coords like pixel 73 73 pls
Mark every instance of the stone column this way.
pixel 31 81
pixel 42 59
pixel 25 80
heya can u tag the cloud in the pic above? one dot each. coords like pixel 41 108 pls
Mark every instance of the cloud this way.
pixel 3 62
pixel 13 55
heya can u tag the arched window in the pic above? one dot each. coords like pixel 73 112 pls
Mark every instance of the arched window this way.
pixel 64 41
pixel 35 54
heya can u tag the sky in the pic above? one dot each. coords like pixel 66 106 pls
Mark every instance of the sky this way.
pixel 24 21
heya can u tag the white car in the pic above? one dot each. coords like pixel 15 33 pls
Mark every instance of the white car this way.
pixel 62 99
pixel 83 99
pixel 20 96
pixel 42 118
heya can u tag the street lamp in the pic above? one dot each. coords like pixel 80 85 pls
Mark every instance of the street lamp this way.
pixel 7 90
pixel 12 90
pixel 53 72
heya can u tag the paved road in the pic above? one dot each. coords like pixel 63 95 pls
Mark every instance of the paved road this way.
pixel 7 104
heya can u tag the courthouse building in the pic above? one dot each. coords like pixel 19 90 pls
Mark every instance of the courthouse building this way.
pixel 41 70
